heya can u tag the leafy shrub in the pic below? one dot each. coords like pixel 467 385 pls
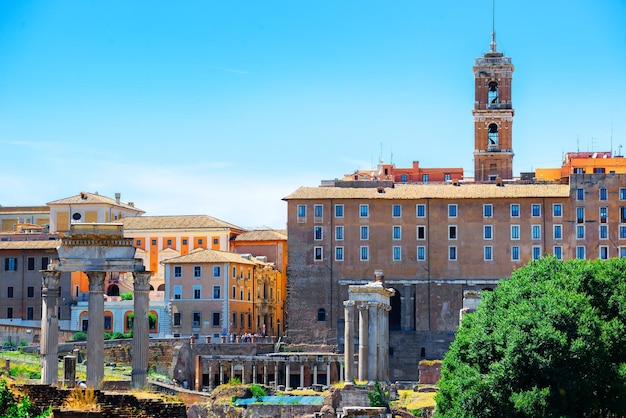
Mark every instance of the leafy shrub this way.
pixel 107 335
pixel 79 336
pixel 235 381
pixel 11 406
pixel 127 296
pixel 25 371
pixel 23 343
pixel 257 391
pixel 378 398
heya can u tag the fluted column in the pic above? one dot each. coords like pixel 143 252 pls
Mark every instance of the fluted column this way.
pixel 265 374
pixel 287 375
pixel 276 375
pixel 328 373
pixel 301 375
pixel 363 341
pixel 254 372
pixel 211 383
pixel 141 328
pixel 95 330
pixel 315 374
pixel 50 328
pixel 348 349
pixel 221 373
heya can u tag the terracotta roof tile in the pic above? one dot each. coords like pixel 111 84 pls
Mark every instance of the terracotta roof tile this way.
pixel 30 245
pixel 211 256
pixel 86 198
pixel 263 235
pixel 174 222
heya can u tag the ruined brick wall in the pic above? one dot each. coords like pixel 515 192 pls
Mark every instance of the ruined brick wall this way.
pixel 430 372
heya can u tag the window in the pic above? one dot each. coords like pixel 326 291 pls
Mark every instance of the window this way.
pixel 197 271
pixel 44 263
pixel 216 319
pixel 580 231
pixel 234 295
pixel 339 233
pixel 397 253
pixel 421 253
pixel 487 210
pixel 492 134
pixel 184 242
pixel 396 211
pixel 557 210
pixel 420 211
pixel 622 194
pixel 580 252
pixel 30 313
pixel 421 232
pixel 234 320
pixel 365 253
pixel 10 292
pixel 558 252
pixel 452 211
pixel 318 211
pixel 622 214
pixel 397 232
pixel 178 271
pixel 604 232
pixel 318 253
pixel 338 211
pixel 492 94
pixel 301 211
pixel 622 232
pixel 535 210
pixel 178 292
pixel 241 319
pixel 603 194
pixel 604 215
pixel 176 319
pixel 536 231
pixel 234 271
pixel 557 231
pixel 197 292
pixel 515 253
pixel 339 253
pixel 446 177
pixel 10 264
pixel 154 242
pixel 138 243
pixel 30 264
pixel 196 319
pixel 317 233
pixel 452 232
pixel 217 292
pixel 488 232
pixel 452 252
pixel 9 313
pixel 604 252
pixel 321 315
pixel 536 253
pixel 365 232
pixel 30 292
pixel 216 241
pixel 217 271
pixel 488 253
pixel 515 210
pixel 580 194
pixel 580 215
pixel 425 178
pixel 364 211
pixel 169 242
pixel 622 252
pixel 514 231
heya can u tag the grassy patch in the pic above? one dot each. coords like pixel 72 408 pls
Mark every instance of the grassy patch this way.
pixel 414 400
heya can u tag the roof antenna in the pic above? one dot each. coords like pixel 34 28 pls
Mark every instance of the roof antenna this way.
pixel 492 46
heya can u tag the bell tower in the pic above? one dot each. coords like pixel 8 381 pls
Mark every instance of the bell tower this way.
pixel 493 116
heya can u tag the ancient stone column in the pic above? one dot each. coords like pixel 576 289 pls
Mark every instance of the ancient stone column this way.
pixel 198 374
pixel 254 372
pixel 49 328
pixel 276 375
pixel 383 366
pixel 374 341
pixel 349 307
pixel 211 375
pixel 287 375
pixel 265 374
pixel 221 373
pixel 315 373
pixel 341 371
pixel 141 328
pixel 363 341
pixel 328 374
pixel 243 372
pixel 301 375
pixel 408 308
pixel 95 330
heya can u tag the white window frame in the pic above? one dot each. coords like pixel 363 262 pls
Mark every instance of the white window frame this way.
pixel 417 232
pixel 340 207
pixel 555 228
pixel 557 251
pixel 604 227
pixel 217 271
pixel 423 250
pixel 515 251
pixel 488 253
pixel 396 253
pixel 393 210
pixel 198 288
pixel 178 272
pixel 364 250
pixel 318 233
pixel 451 249
pixel 417 210
pixel 581 252
pixel 395 228
pixel 364 208
pixel 339 233
pixel 580 231
pixel 339 251
pixel 301 213
pixel 178 291
pixel 536 252
pixel 318 253
pixel 456 232
pixel 514 237
pixel 365 228
pixel 554 213
pixel 197 271
pixel 605 249
pixel 488 210
pixel 535 228
pixel 532 210
pixel 453 207
pixel 517 206
pixel 491 229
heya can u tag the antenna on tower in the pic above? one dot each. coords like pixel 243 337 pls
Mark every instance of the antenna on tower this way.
pixel 493 27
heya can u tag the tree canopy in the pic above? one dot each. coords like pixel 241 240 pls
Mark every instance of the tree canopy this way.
pixel 549 341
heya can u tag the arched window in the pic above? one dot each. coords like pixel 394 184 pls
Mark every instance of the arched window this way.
pixel 492 95
pixel 113 290
pixel 321 315
pixel 493 136
pixel 161 287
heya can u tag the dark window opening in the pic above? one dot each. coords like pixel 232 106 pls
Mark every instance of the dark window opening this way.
pixel 395 315
pixel 492 94
pixel 113 290
pixel 493 136
pixel 321 315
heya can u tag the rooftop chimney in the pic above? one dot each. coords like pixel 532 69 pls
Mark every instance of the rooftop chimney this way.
pixel 117 198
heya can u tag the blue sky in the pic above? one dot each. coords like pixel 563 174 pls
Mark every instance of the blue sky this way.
pixel 225 107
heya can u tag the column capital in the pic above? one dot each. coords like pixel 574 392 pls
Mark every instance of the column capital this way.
pixel 96 281
pixel 50 280
pixel 363 307
pixel 349 303
pixel 141 280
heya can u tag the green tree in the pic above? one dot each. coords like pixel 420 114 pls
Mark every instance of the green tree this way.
pixel 549 341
